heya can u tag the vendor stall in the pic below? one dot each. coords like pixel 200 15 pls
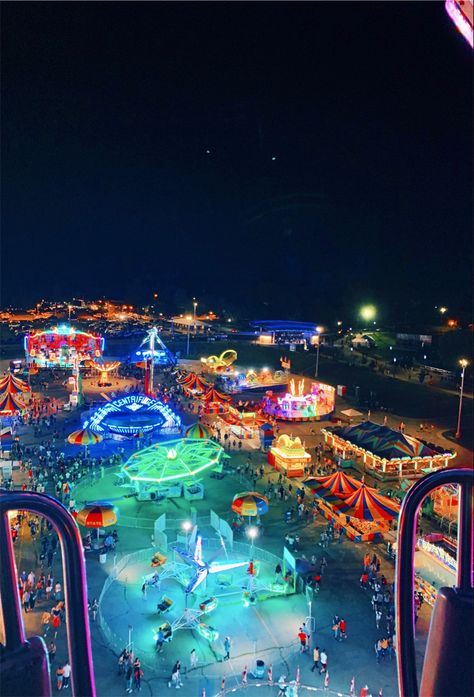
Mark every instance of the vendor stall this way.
pixel 288 455
pixel 354 529
pixel 215 402
pixel 387 453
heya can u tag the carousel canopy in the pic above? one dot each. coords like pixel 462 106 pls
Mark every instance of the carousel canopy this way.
pixel 197 431
pixel 250 503
pixel 173 460
pixel 13 385
pixel 383 441
pixel 213 396
pixel 337 484
pixel 11 404
pixel 367 504
pixel 84 437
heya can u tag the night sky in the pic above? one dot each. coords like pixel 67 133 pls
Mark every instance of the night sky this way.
pixel 273 159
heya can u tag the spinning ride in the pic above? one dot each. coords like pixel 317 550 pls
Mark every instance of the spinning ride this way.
pixel 133 415
pixel 295 405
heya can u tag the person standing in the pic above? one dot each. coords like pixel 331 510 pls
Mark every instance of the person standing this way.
pixel 59 677
pixel 324 661
pixel 137 674
pixel 342 628
pixel 378 617
pixel 193 659
pixel 51 652
pixel 45 620
pixel 94 608
pixel 26 601
pixel 227 647
pixel 129 678
pixel 302 637
pixel 66 674
pixel 336 626
pixel 315 658
pixel 56 622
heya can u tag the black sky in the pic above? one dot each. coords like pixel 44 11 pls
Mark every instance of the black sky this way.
pixel 109 109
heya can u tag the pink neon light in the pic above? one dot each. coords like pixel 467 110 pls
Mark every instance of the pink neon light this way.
pixel 461 22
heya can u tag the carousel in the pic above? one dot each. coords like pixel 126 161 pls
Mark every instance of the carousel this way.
pixel 62 347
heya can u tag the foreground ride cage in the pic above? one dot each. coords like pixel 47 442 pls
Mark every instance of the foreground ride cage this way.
pixel 28 659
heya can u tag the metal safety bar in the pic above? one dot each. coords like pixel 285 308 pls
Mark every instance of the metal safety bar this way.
pixel 404 585
pixel 75 584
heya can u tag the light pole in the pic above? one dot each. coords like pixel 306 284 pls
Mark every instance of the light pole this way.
pixel 252 532
pixel 463 363
pixel 69 308
pixel 318 342
pixel 187 525
pixel 188 318
pixel 194 313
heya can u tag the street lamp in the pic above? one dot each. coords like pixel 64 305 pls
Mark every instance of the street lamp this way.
pixel 188 319
pixel 187 525
pixel 252 533
pixel 463 363
pixel 443 310
pixel 318 341
pixel 69 308
pixel 194 312
pixel 368 313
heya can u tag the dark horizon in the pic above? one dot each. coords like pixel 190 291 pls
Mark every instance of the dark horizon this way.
pixel 274 159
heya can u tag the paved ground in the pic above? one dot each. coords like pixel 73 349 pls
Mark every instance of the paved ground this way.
pixel 271 633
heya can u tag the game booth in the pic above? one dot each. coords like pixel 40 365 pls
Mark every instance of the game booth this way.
pixel 295 405
pixel 287 455
pixel 62 347
pixel 242 423
pixel 131 416
pixel 387 453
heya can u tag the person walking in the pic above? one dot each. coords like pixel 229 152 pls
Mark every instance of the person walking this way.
pixel 137 675
pixel 26 601
pixel 129 678
pixel 336 626
pixel 59 677
pixel 193 659
pixel 324 661
pixel 378 617
pixel 94 608
pixel 56 622
pixel 303 638
pixel 45 620
pixel 160 639
pixel 66 675
pixel 342 628
pixel 315 658
pixel 227 647
pixel 51 652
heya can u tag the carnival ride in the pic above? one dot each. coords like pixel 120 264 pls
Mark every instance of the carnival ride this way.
pixel 214 402
pixel 61 347
pixel 220 364
pixel 105 369
pixel 171 468
pixel 132 415
pixel 295 405
pixel 193 577
pixel 156 353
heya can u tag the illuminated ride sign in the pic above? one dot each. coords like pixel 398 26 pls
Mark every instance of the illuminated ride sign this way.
pixel 132 415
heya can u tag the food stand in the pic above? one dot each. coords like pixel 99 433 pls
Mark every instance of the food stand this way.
pixel 287 455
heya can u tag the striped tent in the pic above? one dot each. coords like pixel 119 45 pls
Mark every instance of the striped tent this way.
pixel 84 437
pixel 367 504
pixel 13 385
pixel 197 431
pixel 11 404
pixel 334 486
pixel 212 395
pixel 194 384
pixel 383 441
